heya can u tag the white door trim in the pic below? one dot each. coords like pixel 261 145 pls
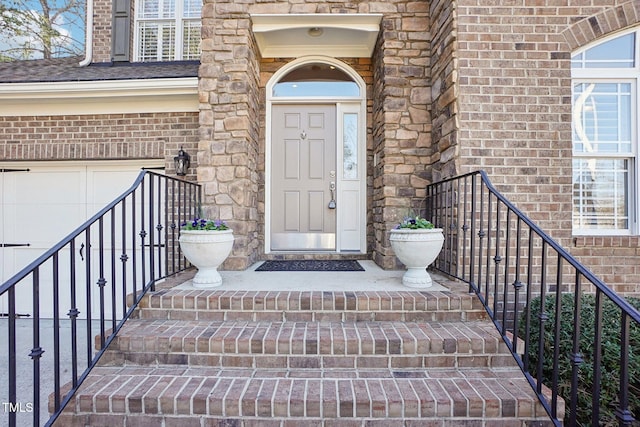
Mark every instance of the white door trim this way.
pixel 347 104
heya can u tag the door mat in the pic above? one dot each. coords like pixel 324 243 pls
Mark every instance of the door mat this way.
pixel 311 265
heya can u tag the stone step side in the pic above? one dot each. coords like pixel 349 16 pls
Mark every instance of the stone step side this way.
pixel 309 306
pixel 280 397
pixel 309 344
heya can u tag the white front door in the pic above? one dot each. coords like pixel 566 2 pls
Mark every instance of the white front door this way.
pixel 303 177
pixel 41 206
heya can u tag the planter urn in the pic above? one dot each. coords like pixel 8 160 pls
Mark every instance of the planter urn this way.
pixel 206 250
pixel 416 249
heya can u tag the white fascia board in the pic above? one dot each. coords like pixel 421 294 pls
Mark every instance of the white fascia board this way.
pixel 352 21
pixel 99 97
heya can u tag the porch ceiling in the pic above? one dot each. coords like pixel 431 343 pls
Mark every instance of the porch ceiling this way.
pixel 330 34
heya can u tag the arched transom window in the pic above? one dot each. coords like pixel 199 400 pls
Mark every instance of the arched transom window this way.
pixel 316 80
pixel 605 136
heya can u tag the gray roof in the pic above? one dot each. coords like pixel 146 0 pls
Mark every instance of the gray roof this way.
pixel 67 70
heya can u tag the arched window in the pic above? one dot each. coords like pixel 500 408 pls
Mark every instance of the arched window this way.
pixel 605 80
pixel 316 79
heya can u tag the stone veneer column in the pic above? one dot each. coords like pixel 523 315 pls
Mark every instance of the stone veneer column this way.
pixel 228 147
pixel 444 90
pixel 401 122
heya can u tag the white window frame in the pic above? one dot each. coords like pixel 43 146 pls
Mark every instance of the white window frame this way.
pixel 178 21
pixel 616 75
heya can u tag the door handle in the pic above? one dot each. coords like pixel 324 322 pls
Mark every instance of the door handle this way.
pixel 332 202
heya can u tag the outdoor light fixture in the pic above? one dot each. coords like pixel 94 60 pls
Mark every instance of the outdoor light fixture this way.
pixel 182 162
pixel 315 31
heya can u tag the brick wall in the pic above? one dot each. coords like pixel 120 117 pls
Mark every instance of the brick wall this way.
pixel 515 106
pixel 93 137
pixel 615 259
pixel 515 111
pixel 102 18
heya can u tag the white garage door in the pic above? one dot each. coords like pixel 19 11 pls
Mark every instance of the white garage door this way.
pixel 42 205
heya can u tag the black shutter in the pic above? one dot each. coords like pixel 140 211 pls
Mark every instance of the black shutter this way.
pixel 121 31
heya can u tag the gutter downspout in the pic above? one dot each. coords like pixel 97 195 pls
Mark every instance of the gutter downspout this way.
pixel 88 49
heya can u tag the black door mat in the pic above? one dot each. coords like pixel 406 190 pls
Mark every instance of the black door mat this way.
pixel 311 265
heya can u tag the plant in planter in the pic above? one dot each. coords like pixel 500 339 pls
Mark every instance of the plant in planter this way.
pixel 206 244
pixel 417 243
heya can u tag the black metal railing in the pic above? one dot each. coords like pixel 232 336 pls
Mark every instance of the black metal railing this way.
pixel 63 309
pixel 571 334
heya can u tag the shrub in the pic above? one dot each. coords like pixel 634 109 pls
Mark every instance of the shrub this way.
pixel 610 361
pixel 415 223
pixel 205 224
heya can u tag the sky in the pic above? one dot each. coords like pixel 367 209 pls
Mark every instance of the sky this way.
pixel 67 25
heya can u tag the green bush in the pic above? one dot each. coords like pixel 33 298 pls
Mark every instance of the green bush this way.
pixel 610 362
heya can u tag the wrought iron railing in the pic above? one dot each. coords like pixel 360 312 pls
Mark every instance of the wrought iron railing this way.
pixel 85 287
pixel 536 293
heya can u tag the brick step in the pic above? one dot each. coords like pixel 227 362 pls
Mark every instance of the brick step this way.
pixel 306 358
pixel 309 306
pixel 187 396
pixel 309 344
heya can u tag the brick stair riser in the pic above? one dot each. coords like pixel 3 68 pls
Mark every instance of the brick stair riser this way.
pixel 310 338
pixel 113 358
pixel 310 316
pixel 314 398
pixel 109 420
pixel 307 303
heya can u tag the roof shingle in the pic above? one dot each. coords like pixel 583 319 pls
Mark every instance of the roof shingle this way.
pixel 67 70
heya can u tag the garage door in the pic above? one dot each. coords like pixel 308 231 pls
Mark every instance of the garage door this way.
pixel 41 203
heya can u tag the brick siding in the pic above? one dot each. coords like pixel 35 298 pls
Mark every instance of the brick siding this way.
pixel 99 137
pixel 102 21
pixel 515 112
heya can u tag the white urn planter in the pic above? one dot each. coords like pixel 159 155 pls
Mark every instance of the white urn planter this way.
pixel 206 249
pixel 417 249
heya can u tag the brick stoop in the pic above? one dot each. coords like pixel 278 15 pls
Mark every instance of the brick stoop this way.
pixel 253 358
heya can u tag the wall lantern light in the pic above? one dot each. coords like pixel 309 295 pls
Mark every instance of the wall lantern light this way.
pixel 182 162
pixel 315 31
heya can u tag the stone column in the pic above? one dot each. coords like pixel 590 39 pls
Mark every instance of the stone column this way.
pixel 401 123
pixel 444 91
pixel 228 136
